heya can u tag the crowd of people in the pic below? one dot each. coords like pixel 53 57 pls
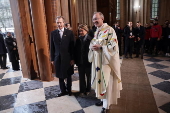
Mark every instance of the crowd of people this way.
pixel 152 39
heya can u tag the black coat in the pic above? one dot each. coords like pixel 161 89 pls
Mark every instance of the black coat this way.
pixel 140 32
pixel 13 54
pixel 118 32
pixel 129 41
pixel 82 50
pixel 62 52
pixel 3 49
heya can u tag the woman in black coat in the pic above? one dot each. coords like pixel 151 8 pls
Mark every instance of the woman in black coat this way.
pixel 81 59
pixel 12 49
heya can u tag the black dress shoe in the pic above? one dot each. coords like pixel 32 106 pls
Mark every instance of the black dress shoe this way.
pixel 103 110
pixel 62 94
pixel 70 93
pixel 99 103
pixel 136 57
pixel 5 68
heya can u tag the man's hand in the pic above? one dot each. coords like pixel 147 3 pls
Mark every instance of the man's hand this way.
pixel 159 39
pixel 14 49
pixel 72 62
pixel 138 39
pixel 52 62
pixel 96 47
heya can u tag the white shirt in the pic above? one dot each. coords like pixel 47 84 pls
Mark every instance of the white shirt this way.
pixel 61 31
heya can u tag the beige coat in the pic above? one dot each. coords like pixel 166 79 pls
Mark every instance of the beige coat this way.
pixel 106 77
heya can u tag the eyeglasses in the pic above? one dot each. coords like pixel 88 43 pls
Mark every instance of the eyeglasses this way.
pixel 95 19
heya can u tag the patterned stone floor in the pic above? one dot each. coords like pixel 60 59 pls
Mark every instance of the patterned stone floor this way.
pixel 158 70
pixel 21 95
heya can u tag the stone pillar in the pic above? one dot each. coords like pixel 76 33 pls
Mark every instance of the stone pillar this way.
pixel 41 39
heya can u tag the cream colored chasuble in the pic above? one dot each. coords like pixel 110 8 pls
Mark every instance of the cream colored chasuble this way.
pixel 106 77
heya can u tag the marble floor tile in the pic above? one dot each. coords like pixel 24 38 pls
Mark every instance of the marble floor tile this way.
pixel 7 102
pixel 157 66
pixel 51 83
pixel 161 111
pixel 163 86
pixel 29 97
pixel 75 86
pixel 161 74
pixel 38 107
pixel 9 81
pixel 153 60
pixel 161 98
pixel 92 109
pixel 166 63
pixel 31 85
pixel 9 89
pixel 51 92
pixel 87 101
pixel 11 74
pixel 7 110
pixel 154 80
pixel 166 107
pixel 150 69
pixel 2 75
pixel 64 104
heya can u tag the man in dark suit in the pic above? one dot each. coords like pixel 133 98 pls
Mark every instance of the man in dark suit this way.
pixel 129 34
pixel 140 34
pixel 3 52
pixel 62 55
pixel 118 31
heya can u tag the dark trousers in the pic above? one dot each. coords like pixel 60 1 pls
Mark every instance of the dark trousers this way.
pixel 139 48
pixel 147 45
pixel 15 64
pixel 3 60
pixel 153 44
pixel 128 48
pixel 65 87
pixel 84 71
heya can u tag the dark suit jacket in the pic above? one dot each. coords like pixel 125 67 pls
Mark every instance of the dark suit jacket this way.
pixel 82 50
pixel 62 52
pixel 129 41
pixel 2 45
pixel 140 33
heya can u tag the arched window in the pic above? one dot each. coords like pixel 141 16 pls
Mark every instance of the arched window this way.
pixel 154 9
pixel 118 10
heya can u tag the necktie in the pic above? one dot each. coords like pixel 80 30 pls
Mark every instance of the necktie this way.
pixel 61 33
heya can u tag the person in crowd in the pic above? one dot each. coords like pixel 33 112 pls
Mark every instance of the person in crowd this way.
pixel 147 38
pixel 129 34
pixel 155 33
pixel 90 32
pixel 164 37
pixel 81 59
pixel 12 49
pixel 67 26
pixel 140 34
pixel 104 55
pixel 62 55
pixel 167 40
pixel 118 31
pixel 3 52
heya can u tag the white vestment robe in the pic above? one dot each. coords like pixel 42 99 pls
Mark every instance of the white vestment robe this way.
pixel 106 76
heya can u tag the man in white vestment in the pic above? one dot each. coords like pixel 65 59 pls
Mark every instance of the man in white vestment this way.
pixel 104 56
